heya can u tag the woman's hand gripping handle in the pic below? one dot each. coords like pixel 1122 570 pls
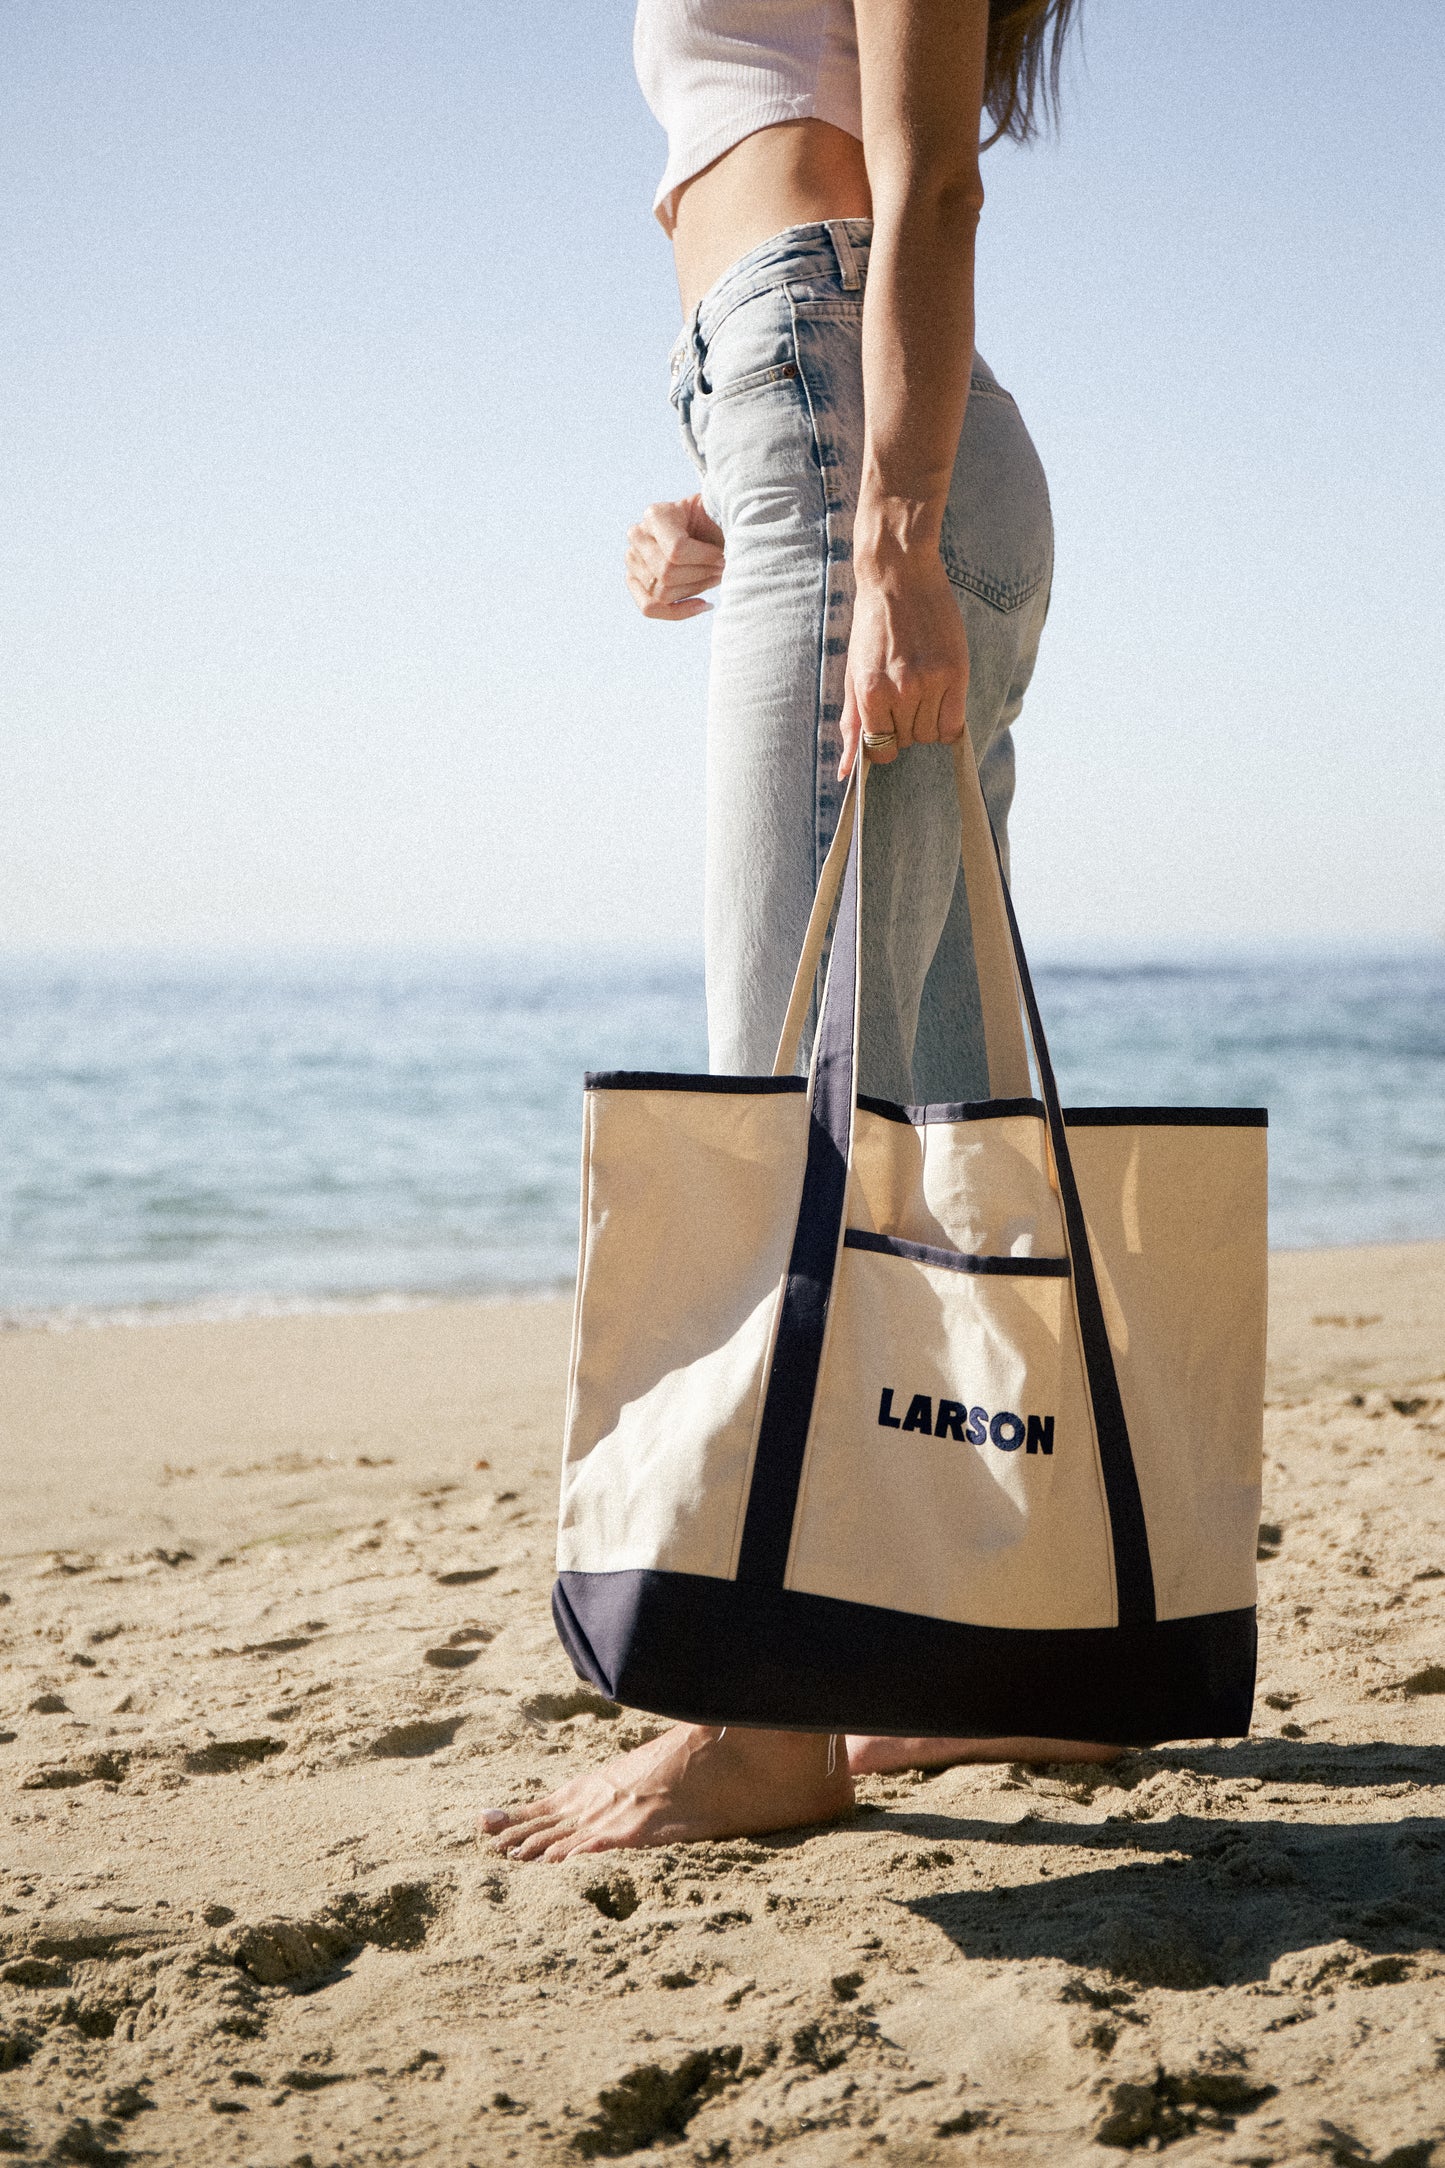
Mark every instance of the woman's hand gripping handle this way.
pixel 907 681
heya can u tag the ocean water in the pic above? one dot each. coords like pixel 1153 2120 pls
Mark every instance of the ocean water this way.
pixel 247 1135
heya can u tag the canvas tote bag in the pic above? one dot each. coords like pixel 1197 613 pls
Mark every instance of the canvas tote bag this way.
pixel 935 1419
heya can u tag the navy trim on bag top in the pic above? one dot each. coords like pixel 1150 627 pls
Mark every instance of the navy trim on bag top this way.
pixel 1166 1117
pixel 663 1080
pixel 923 1253
pixel 951 1110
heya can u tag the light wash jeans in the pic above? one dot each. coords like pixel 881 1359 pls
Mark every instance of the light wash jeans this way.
pixel 768 386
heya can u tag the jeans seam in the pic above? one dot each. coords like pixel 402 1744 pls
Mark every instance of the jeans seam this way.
pixel 831 563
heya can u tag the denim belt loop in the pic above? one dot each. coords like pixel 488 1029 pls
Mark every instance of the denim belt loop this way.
pixel 843 250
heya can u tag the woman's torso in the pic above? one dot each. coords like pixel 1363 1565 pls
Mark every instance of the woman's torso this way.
pixel 760 101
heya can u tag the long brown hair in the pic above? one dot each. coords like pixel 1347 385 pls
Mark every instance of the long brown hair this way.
pixel 1026 40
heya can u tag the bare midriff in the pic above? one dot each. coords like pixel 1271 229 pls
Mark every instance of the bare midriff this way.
pixel 792 174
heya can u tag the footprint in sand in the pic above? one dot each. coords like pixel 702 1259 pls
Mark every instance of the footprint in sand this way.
pixel 404 1742
pixel 224 1757
pixel 461 1648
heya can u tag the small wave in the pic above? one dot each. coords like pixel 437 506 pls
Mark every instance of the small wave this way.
pixel 226 1309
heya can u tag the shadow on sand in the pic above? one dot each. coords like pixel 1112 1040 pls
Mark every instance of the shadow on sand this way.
pixel 1210 1900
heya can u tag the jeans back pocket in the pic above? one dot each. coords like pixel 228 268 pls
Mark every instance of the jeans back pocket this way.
pixel 998 530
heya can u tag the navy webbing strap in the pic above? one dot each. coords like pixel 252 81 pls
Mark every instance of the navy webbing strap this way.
pixel 803 1317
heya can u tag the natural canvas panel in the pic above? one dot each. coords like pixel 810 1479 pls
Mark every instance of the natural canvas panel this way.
pixel 1176 1215
pixel 688 1205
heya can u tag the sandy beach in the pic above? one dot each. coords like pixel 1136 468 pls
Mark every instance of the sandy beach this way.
pixel 275 1625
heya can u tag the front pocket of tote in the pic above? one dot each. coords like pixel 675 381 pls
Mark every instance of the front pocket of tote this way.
pixel 951 1469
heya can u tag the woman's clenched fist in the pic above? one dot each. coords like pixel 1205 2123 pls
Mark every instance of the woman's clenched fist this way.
pixel 674 555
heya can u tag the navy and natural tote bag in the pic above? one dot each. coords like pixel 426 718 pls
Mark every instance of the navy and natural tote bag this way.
pixel 916 1419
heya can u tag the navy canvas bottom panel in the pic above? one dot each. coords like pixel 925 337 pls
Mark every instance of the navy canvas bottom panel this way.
pixel 723 1652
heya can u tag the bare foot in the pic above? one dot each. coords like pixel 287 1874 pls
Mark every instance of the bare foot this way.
pixel 870 1756
pixel 691 1783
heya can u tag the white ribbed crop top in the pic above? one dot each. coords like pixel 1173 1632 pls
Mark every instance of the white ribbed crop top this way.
pixel 714 71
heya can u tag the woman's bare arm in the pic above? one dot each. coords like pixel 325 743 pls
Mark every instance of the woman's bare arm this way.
pixel 922 66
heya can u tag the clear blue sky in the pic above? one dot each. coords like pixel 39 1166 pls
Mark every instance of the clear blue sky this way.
pixel 333 341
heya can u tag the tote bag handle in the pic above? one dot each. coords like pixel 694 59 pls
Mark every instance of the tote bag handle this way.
pixel 822 1211
pixel 1003 1034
